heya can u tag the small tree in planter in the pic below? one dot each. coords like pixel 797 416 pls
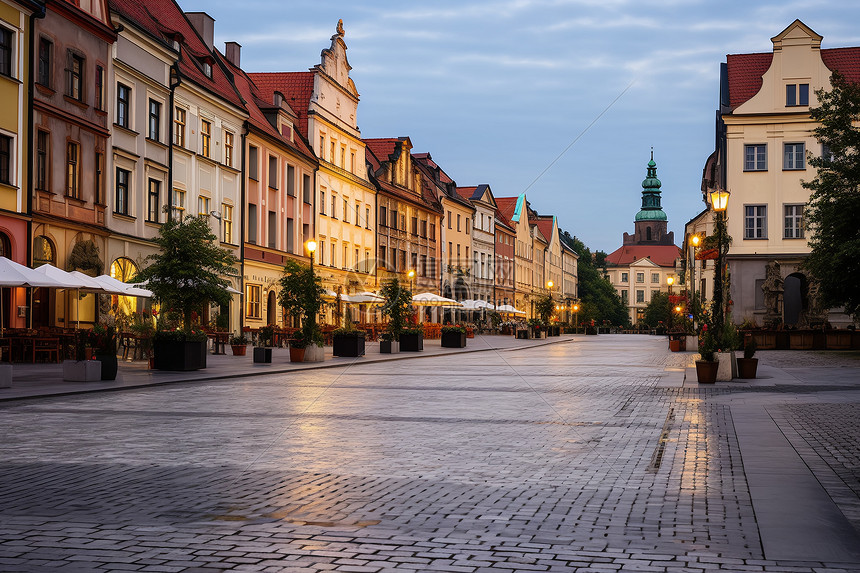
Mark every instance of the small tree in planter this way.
pixel 298 345
pixel 706 368
pixel 189 272
pixel 301 296
pixel 239 344
pixel 396 307
pixel 412 339
pixel 263 344
pixel 348 341
pixel 748 365
pixel 103 338
pixel 454 336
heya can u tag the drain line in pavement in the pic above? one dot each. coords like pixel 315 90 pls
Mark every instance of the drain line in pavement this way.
pixel 657 456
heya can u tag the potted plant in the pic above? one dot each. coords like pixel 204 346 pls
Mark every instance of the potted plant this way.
pixel 748 365
pixel 103 338
pixel 726 346
pixel 453 336
pixel 348 341
pixel 387 343
pixel 80 369
pixel 301 297
pixel 537 329
pixel 298 345
pixel 239 344
pixel 706 368
pixel 190 270
pixel 263 344
pixel 396 308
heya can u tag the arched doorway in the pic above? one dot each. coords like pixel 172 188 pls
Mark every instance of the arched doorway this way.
pixel 272 309
pixel 44 253
pixel 123 269
pixel 794 298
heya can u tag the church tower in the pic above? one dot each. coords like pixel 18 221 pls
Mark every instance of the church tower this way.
pixel 651 223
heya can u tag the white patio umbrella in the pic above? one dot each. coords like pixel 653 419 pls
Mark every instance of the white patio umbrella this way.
pixel 74 280
pixel 430 299
pixel 125 289
pixel 13 274
pixel 471 304
pixel 363 298
pixel 483 304
pixel 508 309
pixel 143 285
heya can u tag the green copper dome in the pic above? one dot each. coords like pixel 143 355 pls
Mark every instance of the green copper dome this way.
pixel 651 209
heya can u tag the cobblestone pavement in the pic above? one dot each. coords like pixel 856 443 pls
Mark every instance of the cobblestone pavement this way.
pixel 568 457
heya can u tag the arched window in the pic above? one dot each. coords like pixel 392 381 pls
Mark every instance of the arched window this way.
pixel 123 269
pixel 5 246
pixel 647 233
pixel 43 251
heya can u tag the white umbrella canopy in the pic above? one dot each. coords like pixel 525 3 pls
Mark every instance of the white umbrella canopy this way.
pixel 363 298
pixel 75 280
pixel 329 294
pixel 508 309
pixel 121 288
pixel 471 304
pixel 142 286
pixel 483 304
pixel 13 274
pixel 430 299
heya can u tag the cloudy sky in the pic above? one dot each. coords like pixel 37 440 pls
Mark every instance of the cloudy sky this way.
pixel 497 90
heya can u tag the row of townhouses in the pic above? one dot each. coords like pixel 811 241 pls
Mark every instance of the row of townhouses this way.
pixel 119 114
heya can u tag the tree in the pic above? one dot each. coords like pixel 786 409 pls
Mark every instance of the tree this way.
pixel 544 307
pixel 396 306
pixel 191 268
pixel 834 205
pixel 658 310
pixel 301 296
pixel 599 300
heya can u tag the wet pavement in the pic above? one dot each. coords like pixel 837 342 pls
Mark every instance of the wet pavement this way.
pixel 586 454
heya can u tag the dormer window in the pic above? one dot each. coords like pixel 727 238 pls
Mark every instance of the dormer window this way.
pixel 207 69
pixel 796 95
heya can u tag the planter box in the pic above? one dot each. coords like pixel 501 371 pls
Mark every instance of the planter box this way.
pixel 453 340
pixel 764 340
pixel 728 366
pixel 179 356
pixel 262 355
pixel 800 340
pixel 747 367
pixel 297 354
pixel 839 340
pixel 314 353
pixel 110 365
pixel 82 370
pixel 239 349
pixel 591 330
pixel 389 347
pixel 692 343
pixel 675 345
pixel 524 334
pixel 348 344
pixel 706 372
pixel 411 343
pixel 5 375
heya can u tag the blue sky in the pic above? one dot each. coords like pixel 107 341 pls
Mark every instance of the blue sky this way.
pixel 495 90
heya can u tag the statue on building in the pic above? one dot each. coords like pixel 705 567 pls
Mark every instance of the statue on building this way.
pixel 773 293
pixel 816 314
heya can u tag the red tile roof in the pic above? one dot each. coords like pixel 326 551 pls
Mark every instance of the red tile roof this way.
pixel 466 192
pixel 382 148
pixel 545 226
pixel 745 70
pixel 661 255
pixel 164 20
pixel 296 87
pixel 506 207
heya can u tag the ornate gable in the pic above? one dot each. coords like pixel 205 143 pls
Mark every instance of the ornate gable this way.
pixel 333 61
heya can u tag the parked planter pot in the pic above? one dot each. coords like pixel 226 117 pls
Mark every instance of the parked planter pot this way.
pixel 839 340
pixel 239 349
pixel 314 353
pixel 82 370
pixel 675 345
pixel 454 340
pixel 411 342
pixel 184 356
pixel 262 355
pixel 692 343
pixel 524 334
pixel 747 367
pixel 728 366
pixel 389 347
pixel 297 354
pixel 110 365
pixel 351 344
pixel 5 375
pixel 706 371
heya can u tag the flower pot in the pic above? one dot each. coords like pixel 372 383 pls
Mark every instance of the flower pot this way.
pixel 314 353
pixel 239 349
pixel 706 371
pixel 411 342
pixel 82 370
pixel 109 365
pixel 180 355
pixel 351 344
pixel 675 345
pixel 389 347
pixel 747 367
pixel 262 355
pixel 297 354
pixel 453 340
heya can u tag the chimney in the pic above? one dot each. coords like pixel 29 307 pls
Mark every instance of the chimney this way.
pixel 205 26
pixel 233 50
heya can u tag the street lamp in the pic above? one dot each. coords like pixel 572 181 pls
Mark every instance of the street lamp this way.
pixel 670 281
pixel 411 275
pixel 576 313
pixel 719 202
pixel 695 240
pixel 311 246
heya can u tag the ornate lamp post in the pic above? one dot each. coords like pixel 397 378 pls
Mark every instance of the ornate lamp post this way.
pixel 311 246
pixel 694 241
pixel 719 202
pixel 576 313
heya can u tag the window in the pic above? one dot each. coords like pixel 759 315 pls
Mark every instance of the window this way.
pixel 153 201
pixel 206 137
pixel 343 161
pixel 5 159
pixel 793 157
pixel 432 231
pixel 42 142
pixel 207 69
pixel 424 229
pixel 178 203
pixel 755 157
pixel 333 206
pixel 345 213
pixel 640 277
pixel 449 219
pixel 468 222
pixel 252 223
pixel 755 221
pixel 393 219
pixel 99 180
pixel 291 181
pixel 203 205
pixel 793 222
pixel 625 297
pixel 450 251
pixel 273 229
pixel 75 77
pixel 273 172
pixel 383 217
pixel 72 173
pixel 290 234
pixel 228 148
pixel 345 261
pixel 352 161
pixel 322 146
pixel 7 43
pixel 357 214
pixel 121 204
pixel 640 296
pixel 179 127
pixel 414 225
pixel 321 251
pixel 367 217
pixel 252 163
pixel 154 120
pixel 46 50
pixel 253 307
pixel 306 189
pixel 227 221
pixel 100 88
pixel 331 153
pixel 624 277
pixel 796 94
pixel 655 278
pixel 123 97
pixel 322 202
pixel 458 222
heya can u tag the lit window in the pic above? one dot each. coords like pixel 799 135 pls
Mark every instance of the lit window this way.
pixel 179 203
pixel 206 135
pixel 203 206
pixel 72 170
pixel 227 218
pixel 179 127
pixel 253 306
pixel 228 148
